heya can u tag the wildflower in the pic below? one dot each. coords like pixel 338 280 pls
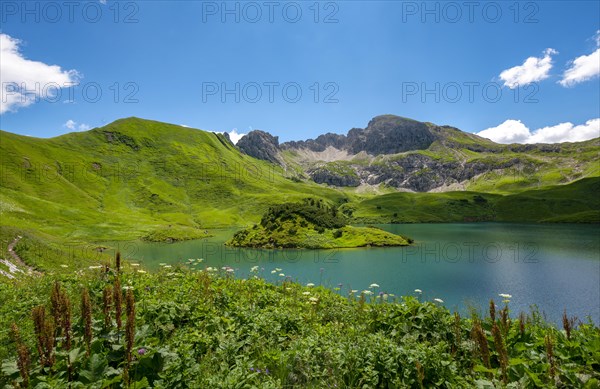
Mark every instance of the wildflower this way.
pixel 385 296
pixel 141 271
pixel 288 289
pixel 229 270
pixel 128 287
pixel 95 267
pixel 439 301
pixel 200 259
pixel 118 261
pixel 307 293
pixel 273 271
pixel 167 266
pixel 277 269
pixel 253 269
pixel 65 266
pixel 141 351
pixel 86 317
pixel 251 369
pixel 505 296
pixel 107 297
pixel 313 300
pixel 162 264
pixel 135 264
pixel 418 291
pixel 118 302
pixel 310 284
pixel 373 286
pixel 281 275
pixel 367 292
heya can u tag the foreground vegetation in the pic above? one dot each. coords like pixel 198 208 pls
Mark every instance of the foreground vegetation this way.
pixel 311 224
pixel 179 328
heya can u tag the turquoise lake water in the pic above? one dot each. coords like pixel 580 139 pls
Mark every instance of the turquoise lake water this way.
pixel 553 266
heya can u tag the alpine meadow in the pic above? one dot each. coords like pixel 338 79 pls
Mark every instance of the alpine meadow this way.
pixel 363 195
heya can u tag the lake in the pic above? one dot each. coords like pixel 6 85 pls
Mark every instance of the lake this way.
pixel 554 266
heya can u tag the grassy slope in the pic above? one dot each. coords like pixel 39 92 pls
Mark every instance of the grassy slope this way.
pixel 151 176
pixel 575 202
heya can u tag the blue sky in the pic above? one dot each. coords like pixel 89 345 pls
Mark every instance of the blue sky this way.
pixel 533 66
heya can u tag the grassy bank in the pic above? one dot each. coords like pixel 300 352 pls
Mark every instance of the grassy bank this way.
pixel 208 329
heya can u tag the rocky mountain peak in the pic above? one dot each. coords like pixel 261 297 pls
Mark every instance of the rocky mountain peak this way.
pixel 261 145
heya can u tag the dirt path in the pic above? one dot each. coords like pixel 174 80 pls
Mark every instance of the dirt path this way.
pixel 18 261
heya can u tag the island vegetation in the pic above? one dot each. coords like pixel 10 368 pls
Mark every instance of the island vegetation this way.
pixel 311 224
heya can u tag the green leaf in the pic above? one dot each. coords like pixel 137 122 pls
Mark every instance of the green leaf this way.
pixel 95 369
pixel 143 383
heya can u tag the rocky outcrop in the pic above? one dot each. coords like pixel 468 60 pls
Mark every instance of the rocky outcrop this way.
pixel 390 134
pixel 405 154
pixel 323 175
pixel 260 145
pixel 386 134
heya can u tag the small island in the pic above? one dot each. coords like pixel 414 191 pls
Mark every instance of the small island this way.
pixel 174 233
pixel 311 224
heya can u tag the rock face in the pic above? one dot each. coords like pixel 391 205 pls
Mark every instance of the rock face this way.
pixel 407 154
pixel 260 145
pixel 385 134
pixel 390 134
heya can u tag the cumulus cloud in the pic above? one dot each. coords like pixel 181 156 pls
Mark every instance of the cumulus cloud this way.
pixel 24 81
pixel 532 70
pixel 235 136
pixel 583 68
pixel 74 126
pixel 511 131
pixel 514 131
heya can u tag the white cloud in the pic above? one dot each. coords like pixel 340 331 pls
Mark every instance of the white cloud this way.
pixel 24 81
pixel 583 68
pixel 235 136
pixel 513 131
pixel 102 1
pixel 533 69
pixel 74 126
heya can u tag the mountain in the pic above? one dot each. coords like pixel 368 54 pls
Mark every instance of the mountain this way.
pixel 136 178
pixel 402 154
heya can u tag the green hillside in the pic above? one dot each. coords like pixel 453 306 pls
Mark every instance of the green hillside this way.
pixel 575 202
pixel 137 178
